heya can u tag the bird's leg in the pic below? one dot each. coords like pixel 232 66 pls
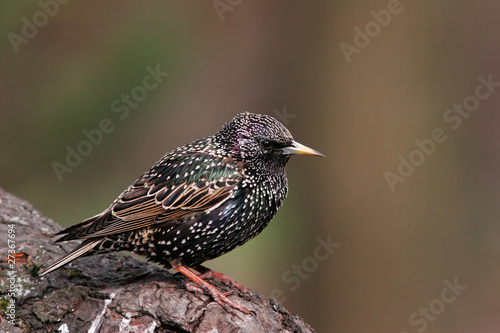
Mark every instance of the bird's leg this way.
pixel 207 273
pixel 218 296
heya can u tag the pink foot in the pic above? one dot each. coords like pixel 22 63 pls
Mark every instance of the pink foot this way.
pixel 219 297
pixel 207 273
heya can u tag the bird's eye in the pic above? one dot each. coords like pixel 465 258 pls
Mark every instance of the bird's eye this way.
pixel 266 144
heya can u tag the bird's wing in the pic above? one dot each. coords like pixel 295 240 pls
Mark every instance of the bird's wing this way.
pixel 168 192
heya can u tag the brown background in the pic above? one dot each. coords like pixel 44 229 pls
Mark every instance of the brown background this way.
pixel 396 247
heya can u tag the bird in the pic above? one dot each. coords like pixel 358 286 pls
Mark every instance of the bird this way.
pixel 198 202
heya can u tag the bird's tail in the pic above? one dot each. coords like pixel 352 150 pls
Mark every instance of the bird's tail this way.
pixel 83 249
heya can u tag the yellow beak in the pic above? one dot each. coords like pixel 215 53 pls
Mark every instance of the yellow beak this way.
pixel 300 149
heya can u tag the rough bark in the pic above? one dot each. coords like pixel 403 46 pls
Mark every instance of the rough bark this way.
pixel 109 293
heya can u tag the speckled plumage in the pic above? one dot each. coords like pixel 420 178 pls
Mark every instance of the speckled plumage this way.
pixel 199 201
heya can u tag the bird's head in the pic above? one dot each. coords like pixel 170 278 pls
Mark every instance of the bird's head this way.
pixel 261 141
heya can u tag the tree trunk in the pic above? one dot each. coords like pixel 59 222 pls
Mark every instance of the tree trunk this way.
pixel 109 293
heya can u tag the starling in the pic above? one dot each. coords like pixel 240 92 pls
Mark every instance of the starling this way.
pixel 198 202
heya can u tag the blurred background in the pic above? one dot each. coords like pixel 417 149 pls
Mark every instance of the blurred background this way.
pixel 395 231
